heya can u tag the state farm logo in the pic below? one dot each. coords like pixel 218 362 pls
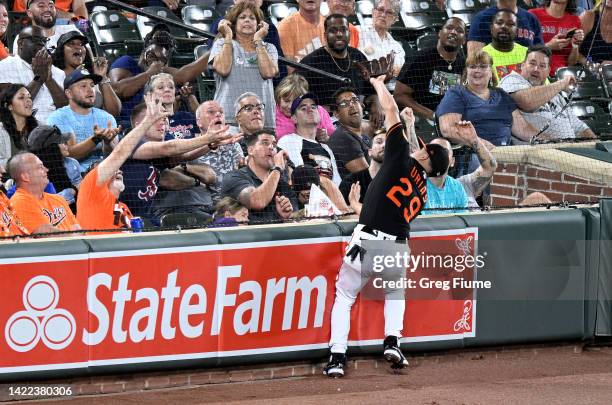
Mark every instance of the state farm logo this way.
pixel 41 320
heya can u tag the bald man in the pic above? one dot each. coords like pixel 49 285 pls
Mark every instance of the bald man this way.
pixel 40 212
pixel 224 158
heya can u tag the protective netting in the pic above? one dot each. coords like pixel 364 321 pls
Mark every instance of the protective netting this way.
pixel 266 115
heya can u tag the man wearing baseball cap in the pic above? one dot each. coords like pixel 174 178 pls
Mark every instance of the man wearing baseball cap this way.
pixel 43 14
pixel 93 129
pixel 302 146
pixel 394 198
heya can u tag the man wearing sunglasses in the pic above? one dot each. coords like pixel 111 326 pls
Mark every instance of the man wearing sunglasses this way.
pixel 33 68
pixel 348 143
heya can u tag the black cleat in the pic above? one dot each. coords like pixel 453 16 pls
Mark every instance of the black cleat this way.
pixel 393 354
pixel 335 367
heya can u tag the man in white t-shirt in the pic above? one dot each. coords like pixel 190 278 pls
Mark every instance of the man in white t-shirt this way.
pixel 561 120
pixel 302 147
pixel 33 68
pixel 44 15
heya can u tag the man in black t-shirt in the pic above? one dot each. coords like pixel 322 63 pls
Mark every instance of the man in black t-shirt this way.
pixel 423 81
pixel 336 57
pixel 262 185
pixel 395 197
pixel 360 181
pixel 349 145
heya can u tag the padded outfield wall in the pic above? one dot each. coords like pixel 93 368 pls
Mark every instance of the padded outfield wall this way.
pixel 237 296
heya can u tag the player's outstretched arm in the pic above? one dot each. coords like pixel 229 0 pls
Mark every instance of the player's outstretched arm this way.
pixel 407 116
pixel 387 102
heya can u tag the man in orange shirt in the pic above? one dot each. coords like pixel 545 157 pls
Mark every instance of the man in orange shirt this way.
pixel 40 212
pixel 300 33
pixel 98 206
pixel 10 224
pixel 303 32
pixel 66 8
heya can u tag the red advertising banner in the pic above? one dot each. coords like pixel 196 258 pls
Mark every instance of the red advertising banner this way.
pixel 182 303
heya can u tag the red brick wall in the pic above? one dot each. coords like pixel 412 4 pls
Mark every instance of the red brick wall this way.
pixel 513 182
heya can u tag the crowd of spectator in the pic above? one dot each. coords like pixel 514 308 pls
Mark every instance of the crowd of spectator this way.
pixel 87 144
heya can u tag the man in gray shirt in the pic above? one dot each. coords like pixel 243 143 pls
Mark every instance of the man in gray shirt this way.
pixel 534 72
pixel 223 158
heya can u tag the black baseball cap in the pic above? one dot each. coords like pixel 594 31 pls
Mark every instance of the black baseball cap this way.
pixel 46 135
pixel 298 100
pixel 69 36
pixel 438 156
pixel 80 74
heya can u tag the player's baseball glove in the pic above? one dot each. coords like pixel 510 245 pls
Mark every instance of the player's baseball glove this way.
pixel 377 67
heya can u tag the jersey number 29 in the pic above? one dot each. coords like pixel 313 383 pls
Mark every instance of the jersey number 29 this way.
pixel 414 205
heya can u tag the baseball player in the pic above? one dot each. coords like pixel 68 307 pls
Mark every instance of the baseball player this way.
pixel 394 198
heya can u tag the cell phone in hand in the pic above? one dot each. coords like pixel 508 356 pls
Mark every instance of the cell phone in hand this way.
pixel 570 33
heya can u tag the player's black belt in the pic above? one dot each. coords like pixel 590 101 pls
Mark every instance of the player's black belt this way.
pixel 375 232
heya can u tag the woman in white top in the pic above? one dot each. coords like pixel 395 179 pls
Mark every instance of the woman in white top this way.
pixel 242 61
pixel 375 41
pixel 16 121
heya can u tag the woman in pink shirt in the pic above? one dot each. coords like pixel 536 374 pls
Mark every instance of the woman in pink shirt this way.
pixel 290 88
pixel 557 20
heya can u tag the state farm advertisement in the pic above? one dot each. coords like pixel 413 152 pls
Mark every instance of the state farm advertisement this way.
pixel 204 302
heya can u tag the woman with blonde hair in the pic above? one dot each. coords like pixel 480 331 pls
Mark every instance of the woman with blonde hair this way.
pixel 290 88
pixel 597 26
pixel 181 124
pixel 490 109
pixel 242 61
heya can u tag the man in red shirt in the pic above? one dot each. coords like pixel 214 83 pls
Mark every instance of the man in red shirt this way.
pixel 557 20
